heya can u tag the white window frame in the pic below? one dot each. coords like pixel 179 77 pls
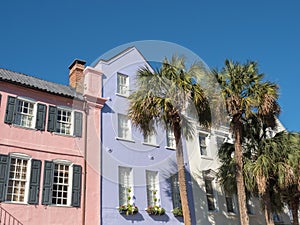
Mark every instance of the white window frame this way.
pixel 125 184
pixel 70 181
pixel 19 156
pixel 150 139
pixel 202 139
pixel 233 202
pixel 170 138
pixel 122 84
pixel 22 114
pixel 58 122
pixel 175 191
pixel 152 186
pixel 122 129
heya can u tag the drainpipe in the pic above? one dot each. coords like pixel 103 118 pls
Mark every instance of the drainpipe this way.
pixel 84 162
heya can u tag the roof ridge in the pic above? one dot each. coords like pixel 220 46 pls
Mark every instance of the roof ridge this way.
pixel 33 77
pixel 38 83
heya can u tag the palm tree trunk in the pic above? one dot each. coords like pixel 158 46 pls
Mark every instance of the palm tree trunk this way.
pixel 294 206
pixel 238 154
pixel 181 175
pixel 267 208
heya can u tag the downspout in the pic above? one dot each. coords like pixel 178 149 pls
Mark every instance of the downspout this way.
pixel 84 162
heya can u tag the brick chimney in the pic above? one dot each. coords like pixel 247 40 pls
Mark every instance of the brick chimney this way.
pixel 76 79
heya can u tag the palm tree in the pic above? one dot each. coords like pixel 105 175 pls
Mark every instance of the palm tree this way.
pixel 245 95
pixel 161 98
pixel 288 143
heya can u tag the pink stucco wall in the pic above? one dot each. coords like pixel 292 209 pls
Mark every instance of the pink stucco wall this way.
pixel 44 145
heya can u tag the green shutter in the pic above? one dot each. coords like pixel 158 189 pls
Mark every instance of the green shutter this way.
pixel 78 124
pixel 52 114
pixel 76 187
pixel 48 182
pixel 34 186
pixel 10 108
pixel 41 117
pixel 3 175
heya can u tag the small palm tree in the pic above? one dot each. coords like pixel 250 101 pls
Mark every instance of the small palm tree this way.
pixel 161 98
pixel 245 95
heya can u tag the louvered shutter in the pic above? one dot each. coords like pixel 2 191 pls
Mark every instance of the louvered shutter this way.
pixel 76 187
pixel 78 124
pixel 52 118
pixel 3 175
pixel 41 117
pixel 10 108
pixel 48 182
pixel 34 185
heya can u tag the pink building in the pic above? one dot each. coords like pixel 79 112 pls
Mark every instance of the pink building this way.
pixel 49 148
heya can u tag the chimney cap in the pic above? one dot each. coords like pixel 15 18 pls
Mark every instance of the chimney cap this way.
pixel 77 61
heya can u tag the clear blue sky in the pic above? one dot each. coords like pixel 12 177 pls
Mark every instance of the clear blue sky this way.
pixel 41 38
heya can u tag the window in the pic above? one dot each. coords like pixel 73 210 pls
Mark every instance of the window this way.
pixel 64 121
pixel 171 139
pixel 220 141
pixel 25 113
pixel 19 178
pixel 202 144
pixel 152 182
pixel 124 131
pixel 125 186
pixel 229 202
pixel 123 84
pixel 62 183
pixel 210 194
pixel 250 206
pixel 150 139
pixel 175 191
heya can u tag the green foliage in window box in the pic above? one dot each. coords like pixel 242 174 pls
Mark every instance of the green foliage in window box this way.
pixel 128 209
pixel 177 211
pixel 155 210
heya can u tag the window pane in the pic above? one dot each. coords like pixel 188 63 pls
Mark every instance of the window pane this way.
pixel 122 84
pixel 24 114
pixel 202 144
pixel 60 184
pixel 63 124
pixel 171 139
pixel 210 194
pixel 152 187
pixel 17 180
pixel 175 191
pixel 123 127
pixel 125 185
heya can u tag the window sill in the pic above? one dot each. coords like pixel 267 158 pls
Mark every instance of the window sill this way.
pixel 124 139
pixel 22 127
pixel 149 144
pixel 216 211
pixel 62 206
pixel 122 95
pixel 170 148
pixel 206 157
pixel 63 135
pixel 231 214
pixel 18 203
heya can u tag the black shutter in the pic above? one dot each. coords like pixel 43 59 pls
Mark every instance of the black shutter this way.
pixel 78 124
pixel 48 182
pixel 52 114
pixel 34 186
pixel 41 117
pixel 3 175
pixel 76 187
pixel 10 108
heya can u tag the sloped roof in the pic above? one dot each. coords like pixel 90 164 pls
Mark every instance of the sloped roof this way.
pixel 39 84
